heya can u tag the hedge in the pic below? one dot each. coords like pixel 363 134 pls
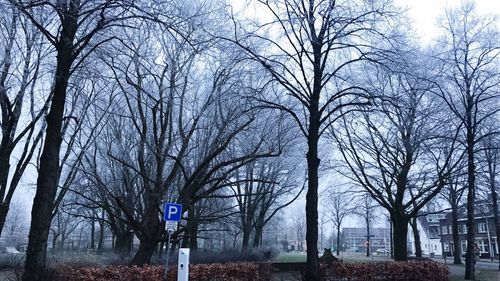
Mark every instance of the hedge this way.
pixel 336 271
pixel 385 271
pixel 197 272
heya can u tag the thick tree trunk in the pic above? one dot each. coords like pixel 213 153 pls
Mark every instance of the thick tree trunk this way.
pixel 455 236
pixel 144 253
pixel 312 263
pixel 101 235
pixel 257 238
pixel 193 239
pixel 5 155
pixel 416 238
pixel 245 239
pixel 122 244
pixel 470 259
pixel 48 173
pixel 496 218
pixel 400 227
pixel 191 232
pixel 47 182
pixel 4 210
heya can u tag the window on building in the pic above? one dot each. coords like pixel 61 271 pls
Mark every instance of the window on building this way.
pixel 464 246
pixel 444 229
pixel 435 247
pixel 462 228
pixel 481 227
pixel 483 247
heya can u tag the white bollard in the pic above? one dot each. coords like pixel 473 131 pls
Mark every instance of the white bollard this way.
pixel 183 266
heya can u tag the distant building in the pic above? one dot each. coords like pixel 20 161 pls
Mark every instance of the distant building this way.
pixel 354 239
pixel 485 231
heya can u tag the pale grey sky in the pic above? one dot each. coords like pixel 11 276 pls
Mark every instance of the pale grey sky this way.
pixel 424 13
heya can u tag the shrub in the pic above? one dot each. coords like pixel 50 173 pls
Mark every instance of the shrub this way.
pixel 328 257
pixel 11 261
pixel 385 271
pixel 234 256
pixel 200 272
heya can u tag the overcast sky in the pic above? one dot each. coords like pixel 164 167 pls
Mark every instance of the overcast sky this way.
pixel 424 13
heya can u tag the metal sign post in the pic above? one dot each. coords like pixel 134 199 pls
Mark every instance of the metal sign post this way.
pixel 172 215
pixel 168 253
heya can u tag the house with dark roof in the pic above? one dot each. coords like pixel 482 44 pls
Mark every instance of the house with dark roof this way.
pixel 485 232
pixel 428 229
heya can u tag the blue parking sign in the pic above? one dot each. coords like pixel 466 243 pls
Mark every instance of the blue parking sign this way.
pixel 172 212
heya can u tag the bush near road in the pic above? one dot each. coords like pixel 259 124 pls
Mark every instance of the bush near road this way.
pixel 385 271
pixel 197 272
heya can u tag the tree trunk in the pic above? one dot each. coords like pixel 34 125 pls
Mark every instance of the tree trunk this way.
pixel 49 172
pixel 122 244
pixel 4 210
pixel 257 236
pixel 5 154
pixel 92 234
pixel 101 235
pixel 470 258
pixel 144 253
pixel 246 239
pixel 161 246
pixel 367 237
pixel 312 263
pixel 400 228
pixel 54 242
pixel 47 182
pixel 391 238
pixel 338 240
pixel 496 218
pixel 189 239
pixel 455 236
pixel 193 239
pixel 416 237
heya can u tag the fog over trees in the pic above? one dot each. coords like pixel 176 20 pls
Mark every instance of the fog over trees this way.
pixel 266 125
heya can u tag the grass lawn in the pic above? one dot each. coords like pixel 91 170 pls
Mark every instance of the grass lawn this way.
pixel 457 274
pixel 456 271
pixel 290 257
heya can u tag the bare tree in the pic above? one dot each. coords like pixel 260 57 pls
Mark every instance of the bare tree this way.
pixel 470 54
pixel 74 32
pixel 337 209
pixel 366 210
pixel 14 224
pixel 491 150
pixel 453 195
pixel 178 132
pixel 63 225
pixel 310 48
pixel 21 66
pixel 382 146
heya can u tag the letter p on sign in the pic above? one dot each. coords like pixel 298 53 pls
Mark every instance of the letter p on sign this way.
pixel 172 212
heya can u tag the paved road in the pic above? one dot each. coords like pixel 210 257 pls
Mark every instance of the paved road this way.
pixel 484 264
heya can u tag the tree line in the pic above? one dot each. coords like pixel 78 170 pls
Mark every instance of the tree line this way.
pixel 118 106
